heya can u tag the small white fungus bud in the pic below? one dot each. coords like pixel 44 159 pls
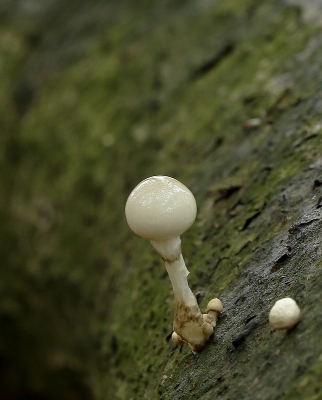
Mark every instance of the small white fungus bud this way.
pixel 215 307
pixel 177 339
pixel 284 314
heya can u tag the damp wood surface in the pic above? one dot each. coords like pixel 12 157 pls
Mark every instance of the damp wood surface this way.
pixel 223 95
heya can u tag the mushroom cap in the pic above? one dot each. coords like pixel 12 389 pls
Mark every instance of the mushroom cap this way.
pixel 284 314
pixel 215 305
pixel 160 208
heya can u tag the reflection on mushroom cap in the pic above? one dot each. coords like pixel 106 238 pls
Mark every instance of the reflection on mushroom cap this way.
pixel 160 207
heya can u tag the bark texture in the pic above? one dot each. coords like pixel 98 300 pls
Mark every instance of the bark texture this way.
pixel 224 95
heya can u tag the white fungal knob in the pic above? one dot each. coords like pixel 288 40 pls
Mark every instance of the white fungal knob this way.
pixel 284 314
pixel 160 208
pixel 215 307
pixel 177 339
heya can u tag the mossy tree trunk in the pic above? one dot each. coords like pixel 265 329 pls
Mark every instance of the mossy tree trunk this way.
pixel 224 96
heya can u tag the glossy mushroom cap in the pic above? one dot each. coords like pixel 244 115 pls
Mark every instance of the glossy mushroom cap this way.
pixel 160 208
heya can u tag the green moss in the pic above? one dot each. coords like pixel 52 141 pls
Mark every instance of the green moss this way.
pixel 309 385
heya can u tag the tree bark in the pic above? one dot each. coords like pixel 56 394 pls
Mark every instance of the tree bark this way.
pixel 224 96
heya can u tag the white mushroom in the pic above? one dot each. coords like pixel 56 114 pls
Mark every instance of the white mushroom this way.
pixel 284 314
pixel 161 208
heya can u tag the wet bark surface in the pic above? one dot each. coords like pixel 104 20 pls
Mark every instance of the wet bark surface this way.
pixel 222 95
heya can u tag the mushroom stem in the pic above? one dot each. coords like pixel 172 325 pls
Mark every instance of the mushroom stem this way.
pixel 178 274
pixel 188 322
pixel 170 251
pixel 211 317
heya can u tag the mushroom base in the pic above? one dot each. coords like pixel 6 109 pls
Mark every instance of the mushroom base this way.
pixel 190 325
